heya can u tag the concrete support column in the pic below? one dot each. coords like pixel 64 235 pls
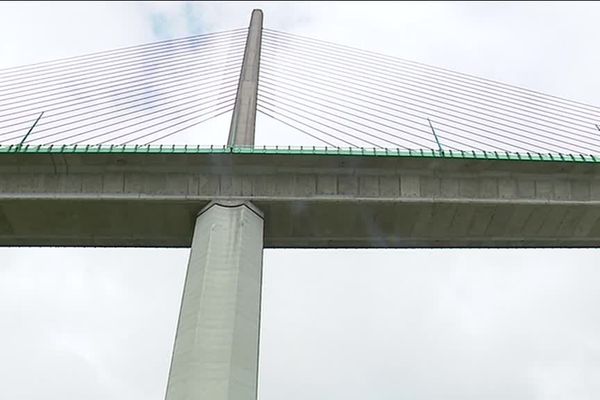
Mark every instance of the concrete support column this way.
pixel 216 344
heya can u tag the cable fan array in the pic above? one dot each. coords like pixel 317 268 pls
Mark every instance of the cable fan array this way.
pixel 139 94
pixel 334 95
pixel 343 96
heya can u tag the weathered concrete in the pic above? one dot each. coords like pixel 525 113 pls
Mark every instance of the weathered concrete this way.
pixel 216 345
pixel 243 119
pixel 308 200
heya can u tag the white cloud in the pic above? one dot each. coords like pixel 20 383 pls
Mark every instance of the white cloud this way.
pixel 41 31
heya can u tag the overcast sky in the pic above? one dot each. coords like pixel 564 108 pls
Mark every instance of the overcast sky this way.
pixel 423 324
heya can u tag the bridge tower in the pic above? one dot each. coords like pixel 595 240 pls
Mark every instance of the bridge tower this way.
pixel 215 354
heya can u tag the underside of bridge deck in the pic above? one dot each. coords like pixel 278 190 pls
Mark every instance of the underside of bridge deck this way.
pixel 309 201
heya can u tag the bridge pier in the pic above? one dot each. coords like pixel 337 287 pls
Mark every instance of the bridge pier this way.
pixel 216 344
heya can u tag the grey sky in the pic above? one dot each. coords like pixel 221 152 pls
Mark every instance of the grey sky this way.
pixel 426 324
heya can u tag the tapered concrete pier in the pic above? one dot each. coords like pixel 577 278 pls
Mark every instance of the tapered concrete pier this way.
pixel 216 345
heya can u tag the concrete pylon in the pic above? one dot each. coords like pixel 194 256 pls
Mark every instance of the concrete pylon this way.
pixel 243 120
pixel 215 355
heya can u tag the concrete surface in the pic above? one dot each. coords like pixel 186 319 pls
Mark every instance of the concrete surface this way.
pixel 243 119
pixel 216 345
pixel 308 200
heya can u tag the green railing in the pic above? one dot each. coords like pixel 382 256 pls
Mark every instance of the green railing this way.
pixel 296 150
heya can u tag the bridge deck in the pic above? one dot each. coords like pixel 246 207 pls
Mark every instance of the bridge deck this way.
pixel 309 200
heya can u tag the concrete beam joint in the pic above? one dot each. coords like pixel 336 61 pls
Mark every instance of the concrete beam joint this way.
pixel 233 204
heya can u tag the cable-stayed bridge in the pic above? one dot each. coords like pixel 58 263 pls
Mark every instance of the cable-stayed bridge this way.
pixel 234 141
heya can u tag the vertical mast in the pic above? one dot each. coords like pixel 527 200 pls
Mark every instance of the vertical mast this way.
pixel 243 120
